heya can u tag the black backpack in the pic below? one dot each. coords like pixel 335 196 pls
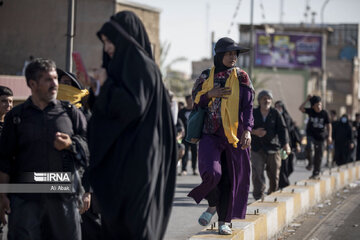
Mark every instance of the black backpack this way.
pixel 82 156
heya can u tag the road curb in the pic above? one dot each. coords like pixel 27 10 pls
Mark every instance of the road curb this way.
pixel 265 219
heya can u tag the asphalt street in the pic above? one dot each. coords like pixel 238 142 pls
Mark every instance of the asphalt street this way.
pixel 336 218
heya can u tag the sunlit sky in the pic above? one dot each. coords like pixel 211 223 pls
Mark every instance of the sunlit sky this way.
pixel 187 24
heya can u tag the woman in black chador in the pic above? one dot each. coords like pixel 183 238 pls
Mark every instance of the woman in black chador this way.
pixel 287 164
pixel 131 135
pixel 343 140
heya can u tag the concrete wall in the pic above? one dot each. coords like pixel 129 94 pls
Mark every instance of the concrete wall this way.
pixel 39 28
pixel 28 29
pixel 91 15
pixel 286 86
pixel 151 20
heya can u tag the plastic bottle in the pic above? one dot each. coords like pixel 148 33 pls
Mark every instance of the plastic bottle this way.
pixel 283 154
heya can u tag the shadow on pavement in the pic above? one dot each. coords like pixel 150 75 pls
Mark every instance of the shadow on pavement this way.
pixel 189 205
pixel 186 185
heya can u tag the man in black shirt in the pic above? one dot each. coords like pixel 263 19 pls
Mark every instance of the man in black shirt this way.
pixel 316 133
pixel 269 136
pixel 41 135
pixel 184 116
pixel 6 104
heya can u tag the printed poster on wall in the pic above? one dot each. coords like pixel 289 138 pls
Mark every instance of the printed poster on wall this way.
pixel 286 50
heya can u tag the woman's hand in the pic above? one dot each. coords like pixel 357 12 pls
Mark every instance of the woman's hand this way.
pixel 245 140
pixel 97 77
pixel 86 202
pixel 100 75
pixel 219 92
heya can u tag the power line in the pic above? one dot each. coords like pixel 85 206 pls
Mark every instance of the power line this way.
pixel 281 11
pixel 262 11
pixel 234 16
pixel 307 10
pixel 207 23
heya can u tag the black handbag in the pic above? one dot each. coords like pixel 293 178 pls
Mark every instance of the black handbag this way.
pixel 195 125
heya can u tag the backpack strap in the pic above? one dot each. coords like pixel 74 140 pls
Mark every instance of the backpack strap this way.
pixel 18 112
pixel 68 107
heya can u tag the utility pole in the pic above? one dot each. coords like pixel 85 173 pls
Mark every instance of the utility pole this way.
pixel 322 12
pixel 251 63
pixel 324 44
pixel 207 24
pixel 212 44
pixel 281 11
pixel 70 35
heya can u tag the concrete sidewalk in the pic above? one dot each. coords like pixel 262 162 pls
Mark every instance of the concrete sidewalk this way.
pixel 266 219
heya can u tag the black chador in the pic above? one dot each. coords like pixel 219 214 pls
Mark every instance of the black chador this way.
pixel 132 138
pixel 343 137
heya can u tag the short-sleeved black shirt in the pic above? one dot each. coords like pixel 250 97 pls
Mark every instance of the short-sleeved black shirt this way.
pixel 316 126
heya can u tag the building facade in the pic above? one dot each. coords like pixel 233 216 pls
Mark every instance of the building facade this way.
pixel 336 78
pixel 39 29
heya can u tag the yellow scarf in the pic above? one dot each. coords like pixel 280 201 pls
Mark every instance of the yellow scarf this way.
pixel 71 94
pixel 229 106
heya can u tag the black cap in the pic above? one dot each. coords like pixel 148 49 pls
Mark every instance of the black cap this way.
pixel 226 44
pixel 74 81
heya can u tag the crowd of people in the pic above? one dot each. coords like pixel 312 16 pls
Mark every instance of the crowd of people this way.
pixel 113 132
pixel 275 139
pixel 121 135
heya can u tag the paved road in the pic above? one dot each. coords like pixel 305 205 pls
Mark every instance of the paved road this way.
pixel 337 218
pixel 183 221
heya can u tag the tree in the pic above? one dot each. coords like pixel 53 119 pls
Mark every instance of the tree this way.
pixel 174 80
pixel 178 84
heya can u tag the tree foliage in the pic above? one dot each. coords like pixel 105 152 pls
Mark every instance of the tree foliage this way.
pixel 178 84
pixel 174 81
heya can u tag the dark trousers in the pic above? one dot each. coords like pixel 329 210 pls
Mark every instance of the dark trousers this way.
pixel 271 162
pixel 215 197
pixel 194 151
pixel 48 218
pixel 287 167
pixel 358 149
pixel 314 151
pixel 115 230
pixel 91 222
pixel 342 154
